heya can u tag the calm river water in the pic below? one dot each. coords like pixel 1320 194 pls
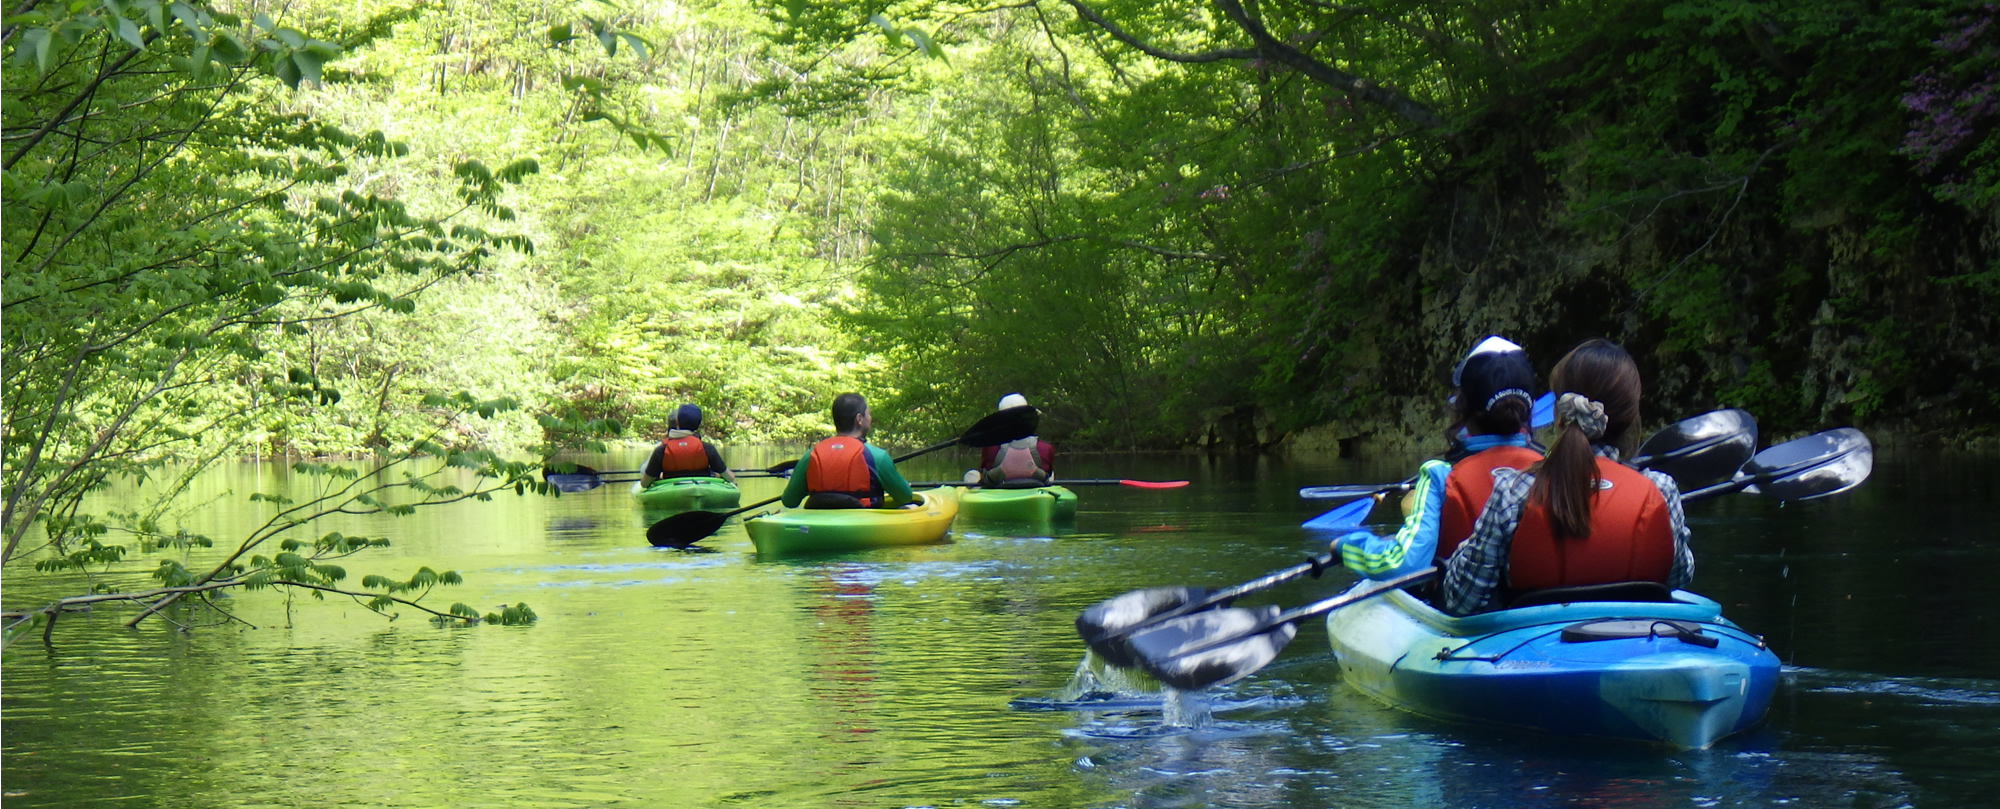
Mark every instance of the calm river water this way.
pixel 882 679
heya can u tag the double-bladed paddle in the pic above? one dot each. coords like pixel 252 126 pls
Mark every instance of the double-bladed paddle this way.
pixel 689 527
pixel 1542 414
pixel 1690 451
pixel 1694 452
pixel 1221 646
pixel 1137 484
pixel 1819 465
pixel 585 478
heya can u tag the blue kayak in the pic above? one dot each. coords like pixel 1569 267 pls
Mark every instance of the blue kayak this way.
pixel 1675 672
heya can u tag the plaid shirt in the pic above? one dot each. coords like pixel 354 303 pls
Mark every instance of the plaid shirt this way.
pixel 1474 574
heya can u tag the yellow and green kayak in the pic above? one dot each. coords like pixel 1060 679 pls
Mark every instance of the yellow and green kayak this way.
pixel 812 530
pixel 688 494
pixel 1037 505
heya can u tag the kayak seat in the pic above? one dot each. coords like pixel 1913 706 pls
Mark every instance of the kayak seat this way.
pixel 832 500
pixel 1639 591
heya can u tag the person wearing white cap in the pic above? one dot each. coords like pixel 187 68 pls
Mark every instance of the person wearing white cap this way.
pixel 1492 402
pixel 1024 463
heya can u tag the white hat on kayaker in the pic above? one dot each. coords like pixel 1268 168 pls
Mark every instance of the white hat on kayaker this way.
pixel 1017 400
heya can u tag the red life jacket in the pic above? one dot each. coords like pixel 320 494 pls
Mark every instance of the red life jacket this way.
pixel 683 457
pixel 1631 538
pixel 839 465
pixel 1467 488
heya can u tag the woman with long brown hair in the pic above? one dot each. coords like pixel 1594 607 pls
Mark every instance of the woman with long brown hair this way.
pixel 1580 517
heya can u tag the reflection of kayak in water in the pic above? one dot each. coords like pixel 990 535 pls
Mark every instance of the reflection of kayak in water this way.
pixel 826 530
pixel 1673 672
pixel 1131 703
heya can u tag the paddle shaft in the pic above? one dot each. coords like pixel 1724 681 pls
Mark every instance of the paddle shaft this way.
pixel 1315 610
pixel 1311 566
pixel 1738 484
pixel 1141 484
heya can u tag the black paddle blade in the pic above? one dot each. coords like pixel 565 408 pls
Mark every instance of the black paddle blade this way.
pixel 783 468
pixel 1104 626
pixel 685 528
pixel 1703 450
pixel 1818 465
pixel 1002 426
pixel 1164 650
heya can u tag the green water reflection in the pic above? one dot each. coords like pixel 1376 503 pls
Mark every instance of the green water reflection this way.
pixel 659 678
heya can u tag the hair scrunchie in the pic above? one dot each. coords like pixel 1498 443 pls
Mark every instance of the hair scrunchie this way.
pixel 1587 415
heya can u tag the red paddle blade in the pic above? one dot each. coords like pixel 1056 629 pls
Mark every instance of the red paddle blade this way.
pixel 1154 484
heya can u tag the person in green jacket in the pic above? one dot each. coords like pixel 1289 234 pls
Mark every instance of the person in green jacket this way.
pixel 845 471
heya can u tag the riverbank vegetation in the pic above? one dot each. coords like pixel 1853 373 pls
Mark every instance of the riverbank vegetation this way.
pixel 249 228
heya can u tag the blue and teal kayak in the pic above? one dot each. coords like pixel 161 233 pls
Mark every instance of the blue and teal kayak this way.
pixel 1671 672
pixel 688 494
pixel 1039 505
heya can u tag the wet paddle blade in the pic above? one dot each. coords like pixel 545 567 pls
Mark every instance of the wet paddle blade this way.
pixel 685 528
pixel 1163 651
pixel 1103 627
pixel 1343 518
pixel 1342 492
pixel 1819 465
pixel 1702 450
pixel 1002 426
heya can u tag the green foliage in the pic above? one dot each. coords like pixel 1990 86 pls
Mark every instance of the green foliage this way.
pixel 157 244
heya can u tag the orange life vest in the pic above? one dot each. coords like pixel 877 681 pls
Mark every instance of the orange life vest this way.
pixel 839 465
pixel 1468 486
pixel 1631 538
pixel 683 457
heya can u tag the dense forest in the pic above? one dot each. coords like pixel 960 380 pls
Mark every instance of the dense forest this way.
pixel 334 229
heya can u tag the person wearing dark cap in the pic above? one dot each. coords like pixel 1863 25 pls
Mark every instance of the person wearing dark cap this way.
pixel 1492 402
pixel 682 454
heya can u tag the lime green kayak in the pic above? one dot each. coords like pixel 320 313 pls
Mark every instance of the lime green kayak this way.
pixel 688 494
pixel 1044 504
pixel 810 530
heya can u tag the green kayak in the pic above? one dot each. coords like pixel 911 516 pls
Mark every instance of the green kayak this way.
pixel 688 494
pixel 812 530
pixel 1044 504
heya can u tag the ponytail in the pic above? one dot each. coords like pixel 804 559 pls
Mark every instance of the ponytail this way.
pixel 1565 481
pixel 1598 388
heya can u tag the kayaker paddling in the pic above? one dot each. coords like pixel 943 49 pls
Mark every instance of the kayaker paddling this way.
pixel 1025 463
pixel 682 454
pixel 1580 517
pixel 1492 401
pixel 845 471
